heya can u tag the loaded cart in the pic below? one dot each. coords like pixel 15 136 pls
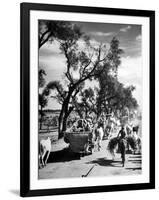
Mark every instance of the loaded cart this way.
pixel 79 137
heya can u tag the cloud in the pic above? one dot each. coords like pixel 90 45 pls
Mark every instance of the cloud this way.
pixel 132 47
pixel 138 38
pixel 102 33
pixel 53 65
pixel 130 73
pixel 125 29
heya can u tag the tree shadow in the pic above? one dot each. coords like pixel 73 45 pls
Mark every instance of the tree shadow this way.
pixel 136 156
pixel 128 151
pixel 133 169
pixel 135 161
pixel 137 153
pixel 104 162
pixel 63 155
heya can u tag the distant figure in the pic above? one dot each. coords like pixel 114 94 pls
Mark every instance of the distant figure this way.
pixel 129 129
pixel 135 129
pixel 99 133
pixel 122 133
pixel 137 138
pixel 122 144
pixel 89 123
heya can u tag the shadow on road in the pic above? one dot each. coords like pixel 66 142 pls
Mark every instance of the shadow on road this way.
pixel 63 156
pixel 136 156
pixel 105 162
pixel 133 168
pixel 128 151
pixel 135 161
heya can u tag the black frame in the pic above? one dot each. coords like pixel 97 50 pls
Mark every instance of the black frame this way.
pixel 25 190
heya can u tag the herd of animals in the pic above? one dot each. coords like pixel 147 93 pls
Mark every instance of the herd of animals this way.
pixel 126 139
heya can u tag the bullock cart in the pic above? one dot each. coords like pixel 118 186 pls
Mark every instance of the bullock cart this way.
pixel 79 137
pixel 79 142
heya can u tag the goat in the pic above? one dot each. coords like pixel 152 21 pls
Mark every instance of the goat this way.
pixel 44 148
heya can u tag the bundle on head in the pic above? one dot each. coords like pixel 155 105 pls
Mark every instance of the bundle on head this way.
pixel 112 144
pixel 131 141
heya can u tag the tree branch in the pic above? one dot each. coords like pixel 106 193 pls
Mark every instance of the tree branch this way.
pixel 44 41
pixel 42 36
pixel 65 49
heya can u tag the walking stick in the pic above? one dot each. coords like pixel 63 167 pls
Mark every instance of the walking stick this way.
pixel 89 171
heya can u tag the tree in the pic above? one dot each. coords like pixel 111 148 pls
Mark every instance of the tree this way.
pixel 87 105
pixel 114 56
pixel 43 96
pixel 86 63
pixel 50 30
pixel 106 92
pixel 42 75
pixel 112 95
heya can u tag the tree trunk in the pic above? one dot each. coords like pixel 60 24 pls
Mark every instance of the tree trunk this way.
pixel 64 118
pixel 62 124
pixel 64 113
pixel 60 134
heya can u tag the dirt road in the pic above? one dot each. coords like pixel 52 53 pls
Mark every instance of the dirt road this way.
pixel 62 163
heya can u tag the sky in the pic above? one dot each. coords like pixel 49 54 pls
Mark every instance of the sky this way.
pixel 129 72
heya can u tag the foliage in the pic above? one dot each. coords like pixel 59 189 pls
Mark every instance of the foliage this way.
pixel 112 144
pixel 131 141
pixel 87 105
pixel 112 95
pixel 43 99
pixel 50 30
pixel 42 75
pixel 115 141
pixel 114 55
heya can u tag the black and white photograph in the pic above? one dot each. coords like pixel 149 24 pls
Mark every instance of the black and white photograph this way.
pixel 87 99
pixel 90 99
pixel 79 100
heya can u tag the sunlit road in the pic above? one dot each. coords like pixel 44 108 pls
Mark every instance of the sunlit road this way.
pixel 62 163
